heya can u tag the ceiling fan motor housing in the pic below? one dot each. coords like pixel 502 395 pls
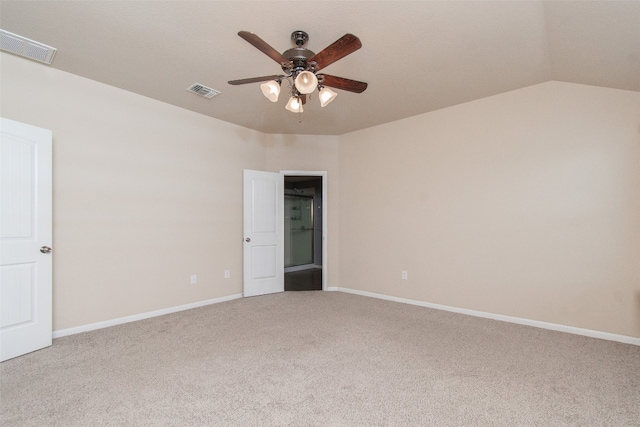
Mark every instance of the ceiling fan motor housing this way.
pixel 299 56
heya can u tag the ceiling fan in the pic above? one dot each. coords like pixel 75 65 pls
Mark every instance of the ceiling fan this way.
pixel 301 69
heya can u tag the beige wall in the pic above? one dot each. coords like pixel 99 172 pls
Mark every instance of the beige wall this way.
pixel 524 204
pixel 145 193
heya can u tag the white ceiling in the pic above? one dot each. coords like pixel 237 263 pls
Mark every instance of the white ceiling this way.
pixel 417 56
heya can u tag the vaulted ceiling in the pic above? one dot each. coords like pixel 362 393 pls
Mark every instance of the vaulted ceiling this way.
pixel 417 56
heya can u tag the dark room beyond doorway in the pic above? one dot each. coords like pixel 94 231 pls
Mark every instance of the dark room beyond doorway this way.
pixel 303 233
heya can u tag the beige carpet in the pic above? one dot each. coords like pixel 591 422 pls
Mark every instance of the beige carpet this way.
pixel 322 359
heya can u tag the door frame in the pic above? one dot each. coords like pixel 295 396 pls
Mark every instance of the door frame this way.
pixel 325 258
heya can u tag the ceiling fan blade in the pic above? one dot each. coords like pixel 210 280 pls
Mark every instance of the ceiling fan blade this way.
pixel 337 50
pixel 254 80
pixel 303 98
pixel 344 84
pixel 263 46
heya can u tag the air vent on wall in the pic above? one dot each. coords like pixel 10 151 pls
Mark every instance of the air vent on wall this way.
pixel 28 48
pixel 202 90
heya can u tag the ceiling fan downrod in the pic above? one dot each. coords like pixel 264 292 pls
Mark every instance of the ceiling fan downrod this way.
pixel 300 38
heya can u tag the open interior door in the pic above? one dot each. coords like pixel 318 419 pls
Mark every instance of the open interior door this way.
pixel 25 239
pixel 263 265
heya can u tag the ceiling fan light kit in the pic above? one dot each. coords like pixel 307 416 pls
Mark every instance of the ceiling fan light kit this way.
pixel 326 95
pixel 306 82
pixel 271 90
pixel 294 105
pixel 301 70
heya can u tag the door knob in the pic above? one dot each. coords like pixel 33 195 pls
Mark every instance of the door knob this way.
pixel 247 239
pixel 45 249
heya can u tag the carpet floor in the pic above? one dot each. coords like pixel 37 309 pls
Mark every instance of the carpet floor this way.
pixel 322 359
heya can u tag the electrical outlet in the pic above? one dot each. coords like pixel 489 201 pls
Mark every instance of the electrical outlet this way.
pixel 193 279
pixel 227 274
pixel 404 275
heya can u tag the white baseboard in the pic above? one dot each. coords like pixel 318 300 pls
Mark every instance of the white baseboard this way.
pixel 521 321
pixel 518 320
pixel 141 316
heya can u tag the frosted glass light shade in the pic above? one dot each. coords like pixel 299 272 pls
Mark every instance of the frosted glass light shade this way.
pixel 271 90
pixel 326 96
pixel 306 82
pixel 294 105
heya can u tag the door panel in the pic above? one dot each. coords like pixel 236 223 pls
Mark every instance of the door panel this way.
pixel 263 260
pixel 18 283
pixel 25 227
pixel 263 269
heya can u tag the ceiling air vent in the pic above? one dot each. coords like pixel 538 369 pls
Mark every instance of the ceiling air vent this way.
pixel 28 48
pixel 202 90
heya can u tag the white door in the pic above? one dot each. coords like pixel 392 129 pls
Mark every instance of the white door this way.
pixel 25 239
pixel 263 266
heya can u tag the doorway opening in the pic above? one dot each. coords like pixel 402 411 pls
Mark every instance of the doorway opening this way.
pixel 303 232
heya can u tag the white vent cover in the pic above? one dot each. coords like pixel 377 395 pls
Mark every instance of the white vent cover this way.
pixel 202 90
pixel 28 48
